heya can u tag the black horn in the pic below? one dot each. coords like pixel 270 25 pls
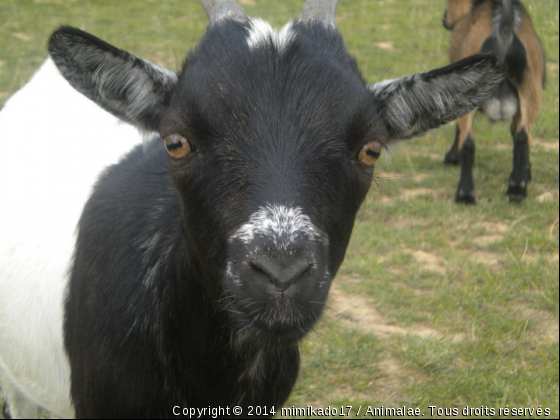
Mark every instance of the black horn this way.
pixel 320 10
pixel 217 10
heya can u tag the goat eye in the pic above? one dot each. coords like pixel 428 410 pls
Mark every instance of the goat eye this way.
pixel 177 146
pixel 370 153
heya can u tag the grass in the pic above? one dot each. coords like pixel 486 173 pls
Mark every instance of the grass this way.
pixel 436 304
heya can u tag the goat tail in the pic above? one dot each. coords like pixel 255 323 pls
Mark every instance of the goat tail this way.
pixel 504 41
pixel 506 22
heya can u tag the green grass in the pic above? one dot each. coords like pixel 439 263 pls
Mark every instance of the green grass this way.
pixel 436 304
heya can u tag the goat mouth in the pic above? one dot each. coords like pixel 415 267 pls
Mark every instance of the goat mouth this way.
pixel 279 333
pixel 285 325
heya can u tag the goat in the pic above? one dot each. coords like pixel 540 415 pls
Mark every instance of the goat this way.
pixel 503 28
pixel 203 257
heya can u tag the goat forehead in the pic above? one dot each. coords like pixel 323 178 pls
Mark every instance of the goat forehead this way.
pixel 261 34
pixel 254 87
pixel 241 59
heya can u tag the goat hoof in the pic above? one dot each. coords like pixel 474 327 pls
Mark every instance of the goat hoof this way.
pixel 451 158
pixel 465 198
pixel 516 198
pixel 516 193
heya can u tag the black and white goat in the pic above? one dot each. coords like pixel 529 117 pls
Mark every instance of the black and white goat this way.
pixel 503 28
pixel 202 258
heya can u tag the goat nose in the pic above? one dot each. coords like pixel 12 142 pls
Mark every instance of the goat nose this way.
pixel 281 275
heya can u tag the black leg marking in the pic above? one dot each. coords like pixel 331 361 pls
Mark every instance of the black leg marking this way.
pixel 521 173
pixel 465 190
pixel 452 157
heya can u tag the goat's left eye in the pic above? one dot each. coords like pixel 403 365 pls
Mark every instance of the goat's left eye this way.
pixel 370 153
pixel 177 145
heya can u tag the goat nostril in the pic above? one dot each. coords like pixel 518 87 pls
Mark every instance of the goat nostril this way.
pixel 282 276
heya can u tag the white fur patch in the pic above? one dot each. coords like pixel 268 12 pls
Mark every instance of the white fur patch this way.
pixel 261 34
pixel 54 143
pixel 280 224
pixel 379 86
pixel 501 109
pixel 233 275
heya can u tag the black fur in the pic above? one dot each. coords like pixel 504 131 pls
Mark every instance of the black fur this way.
pixel 452 157
pixel 515 62
pixel 514 58
pixel 465 189
pixel 166 306
pixel 521 174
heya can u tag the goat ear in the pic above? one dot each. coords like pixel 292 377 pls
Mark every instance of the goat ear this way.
pixel 130 88
pixel 420 102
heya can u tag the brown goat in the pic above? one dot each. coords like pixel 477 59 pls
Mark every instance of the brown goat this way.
pixel 504 28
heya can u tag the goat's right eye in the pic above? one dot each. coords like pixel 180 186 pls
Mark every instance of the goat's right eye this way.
pixel 177 146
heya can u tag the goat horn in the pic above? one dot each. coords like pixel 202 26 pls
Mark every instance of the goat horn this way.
pixel 320 11
pixel 217 10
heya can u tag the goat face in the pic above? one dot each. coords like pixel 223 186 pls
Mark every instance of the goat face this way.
pixel 273 179
pixel 272 137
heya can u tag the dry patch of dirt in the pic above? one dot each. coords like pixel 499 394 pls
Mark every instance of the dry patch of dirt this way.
pixel 547 197
pixel 430 261
pixel 388 175
pixel 391 381
pixel 360 314
pixel 486 240
pixel 417 291
pixel 547 146
pixel 541 325
pixel 412 193
pixel 486 257
pixel 347 392
pixel 502 147
pixel 388 384
pixel 409 194
pixel 536 143
pixel 385 200
pixel 390 191
pixel 493 227
pixel 433 156
pixel 22 36
pixel 388 46
pixel 426 261
pixel 494 232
